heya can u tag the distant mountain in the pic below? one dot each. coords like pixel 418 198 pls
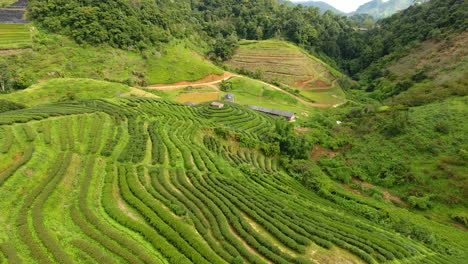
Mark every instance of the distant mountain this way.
pixel 322 6
pixel 381 9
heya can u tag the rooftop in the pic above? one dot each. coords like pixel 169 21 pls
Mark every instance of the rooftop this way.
pixel 272 111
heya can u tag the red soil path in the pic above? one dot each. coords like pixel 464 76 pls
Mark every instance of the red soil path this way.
pixel 207 80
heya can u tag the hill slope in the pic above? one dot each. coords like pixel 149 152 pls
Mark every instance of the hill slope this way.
pixel 322 6
pixel 56 56
pixel 381 9
pixel 285 63
pixel 151 181
pixel 65 89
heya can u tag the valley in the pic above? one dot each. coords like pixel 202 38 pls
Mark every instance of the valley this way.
pixel 232 132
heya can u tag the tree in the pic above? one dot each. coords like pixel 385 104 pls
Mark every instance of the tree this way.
pixel 5 77
pixel 224 47
pixel 226 86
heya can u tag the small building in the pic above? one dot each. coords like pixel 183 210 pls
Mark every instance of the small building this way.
pixel 189 103
pixel 229 97
pixel 290 116
pixel 217 105
pixel 189 88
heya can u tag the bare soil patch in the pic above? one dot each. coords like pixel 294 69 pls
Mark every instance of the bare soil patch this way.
pixel 125 210
pixel 319 84
pixel 197 97
pixel 460 226
pixel 352 190
pixel 15 159
pixel 208 79
pixel 301 130
pixel 302 83
pixel 139 93
pixel 319 152
pixel 387 195
pixel 13 51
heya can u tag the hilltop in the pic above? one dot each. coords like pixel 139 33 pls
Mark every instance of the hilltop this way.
pixel 322 6
pixel 381 9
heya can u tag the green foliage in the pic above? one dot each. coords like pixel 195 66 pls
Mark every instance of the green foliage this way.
pixel 402 31
pixel 223 48
pixel 225 86
pixel 415 152
pixel 460 217
pixel 178 63
pixel 187 190
pixel 15 36
pixel 310 174
pixel 9 106
pixel 422 203
pixel 56 90
pixel 137 25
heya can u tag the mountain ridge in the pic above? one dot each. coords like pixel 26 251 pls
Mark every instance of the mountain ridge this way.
pixel 323 6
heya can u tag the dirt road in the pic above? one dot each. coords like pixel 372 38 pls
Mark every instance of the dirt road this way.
pixel 212 80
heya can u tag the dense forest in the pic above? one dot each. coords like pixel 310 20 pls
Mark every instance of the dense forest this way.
pixel 127 24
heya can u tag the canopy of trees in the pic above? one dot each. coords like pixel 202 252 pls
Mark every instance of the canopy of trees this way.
pixel 125 23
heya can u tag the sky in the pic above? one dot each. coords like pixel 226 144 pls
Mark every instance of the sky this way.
pixel 343 5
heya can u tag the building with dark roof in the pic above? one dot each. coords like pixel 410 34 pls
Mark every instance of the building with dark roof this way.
pixel 290 116
pixel 229 97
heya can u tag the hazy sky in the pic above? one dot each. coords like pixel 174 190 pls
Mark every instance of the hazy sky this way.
pixel 343 5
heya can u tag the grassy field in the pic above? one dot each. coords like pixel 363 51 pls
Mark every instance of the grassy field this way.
pixel 55 90
pixel 179 64
pixel 197 97
pixel 246 91
pixel 14 36
pixel 251 92
pixel 179 94
pixel 4 3
pixel 331 96
pixel 57 56
pixel 138 180
pixel 282 62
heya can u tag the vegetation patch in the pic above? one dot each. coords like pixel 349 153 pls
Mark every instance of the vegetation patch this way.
pixel 64 89
pixel 280 62
pixel 14 36
pixel 251 92
pixel 197 97
pixel 57 56
pixel 177 63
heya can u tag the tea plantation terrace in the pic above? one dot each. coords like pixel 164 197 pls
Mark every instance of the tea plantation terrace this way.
pixel 142 180
pixel 14 13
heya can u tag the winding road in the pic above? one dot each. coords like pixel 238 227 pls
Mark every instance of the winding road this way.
pixel 212 80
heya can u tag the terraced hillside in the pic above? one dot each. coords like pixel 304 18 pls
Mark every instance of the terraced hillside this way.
pixel 13 13
pixel 152 181
pixel 14 36
pixel 282 62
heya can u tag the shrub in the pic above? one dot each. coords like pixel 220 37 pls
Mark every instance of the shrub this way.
pixel 460 217
pixel 422 203
pixel 9 106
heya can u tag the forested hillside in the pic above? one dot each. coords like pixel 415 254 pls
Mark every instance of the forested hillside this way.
pixel 403 130
pixel 381 9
